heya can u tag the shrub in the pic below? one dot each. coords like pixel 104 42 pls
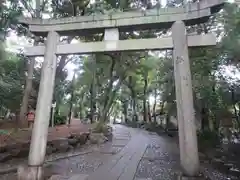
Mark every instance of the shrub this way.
pixel 101 127
pixel 208 139
pixel 59 119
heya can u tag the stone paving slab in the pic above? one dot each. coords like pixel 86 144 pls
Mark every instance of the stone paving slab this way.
pixel 160 160
pixel 131 168
pixel 79 177
pixel 119 143
pixel 122 166
pixel 125 166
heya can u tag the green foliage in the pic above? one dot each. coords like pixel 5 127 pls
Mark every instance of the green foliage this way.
pixel 208 139
pixel 11 81
pixel 230 43
pixel 59 119
pixel 9 11
pixel 101 127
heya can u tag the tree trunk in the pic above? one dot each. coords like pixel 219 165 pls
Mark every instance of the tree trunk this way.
pixel 154 105
pixel 110 85
pixel 145 97
pixel 125 106
pixel 27 92
pixel 234 107
pixel 107 106
pixel 205 124
pixel 238 114
pixel 7 114
pixel 70 113
pixel 92 102
pixel 149 112
pixel 135 116
pixel 167 121
pixel 204 116
pixel 216 120
pixel 144 110
pixel 162 112
pixel 80 111
pixel 71 100
pixel 93 90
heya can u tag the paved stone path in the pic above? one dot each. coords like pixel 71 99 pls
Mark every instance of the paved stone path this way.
pixel 133 154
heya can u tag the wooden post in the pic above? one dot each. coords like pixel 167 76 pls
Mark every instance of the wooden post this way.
pixel 185 111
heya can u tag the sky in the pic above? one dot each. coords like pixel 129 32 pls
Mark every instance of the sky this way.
pixel 15 43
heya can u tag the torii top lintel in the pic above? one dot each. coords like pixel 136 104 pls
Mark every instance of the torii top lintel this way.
pixel 192 13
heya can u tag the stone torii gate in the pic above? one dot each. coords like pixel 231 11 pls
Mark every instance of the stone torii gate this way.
pixel 111 25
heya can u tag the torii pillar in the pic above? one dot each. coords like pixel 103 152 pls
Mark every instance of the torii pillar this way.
pixel 37 152
pixel 185 112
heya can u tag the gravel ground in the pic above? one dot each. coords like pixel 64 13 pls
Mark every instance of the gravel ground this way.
pixel 80 164
pixel 11 176
pixel 160 160
pixel 213 174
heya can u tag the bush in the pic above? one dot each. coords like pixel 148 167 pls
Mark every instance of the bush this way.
pixel 101 127
pixel 208 139
pixel 104 129
pixel 58 119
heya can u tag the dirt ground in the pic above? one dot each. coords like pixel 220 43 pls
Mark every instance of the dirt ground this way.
pixel 10 136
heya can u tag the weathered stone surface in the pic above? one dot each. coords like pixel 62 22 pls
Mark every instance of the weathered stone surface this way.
pixel 123 45
pixel 30 173
pixel 73 142
pixel 80 138
pixel 180 177
pixel 79 177
pixel 61 144
pixel 2 149
pixel 40 129
pixel 50 149
pixel 184 96
pixel 108 133
pixel 21 149
pixel 17 150
pixel 97 138
pixel 57 177
pixel 5 156
pixel 83 138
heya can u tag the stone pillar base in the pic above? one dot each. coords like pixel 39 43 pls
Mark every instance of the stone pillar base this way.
pixel 30 173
